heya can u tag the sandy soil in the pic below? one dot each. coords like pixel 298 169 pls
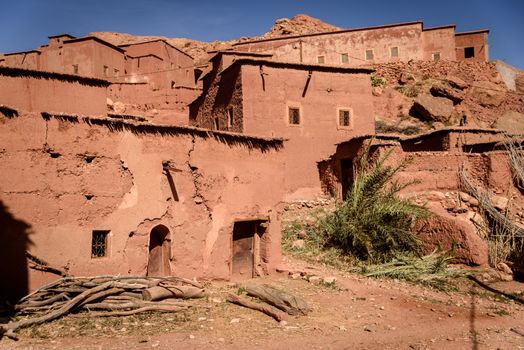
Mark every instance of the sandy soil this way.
pixel 356 313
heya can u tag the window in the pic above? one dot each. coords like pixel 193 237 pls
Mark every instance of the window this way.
pixel 75 68
pixel 469 52
pixel 217 124
pixel 394 51
pixel 320 59
pixel 294 116
pixel 106 68
pixel 230 116
pixel 369 55
pixel 436 56
pixel 99 244
pixel 344 58
pixel 344 117
pixel 116 72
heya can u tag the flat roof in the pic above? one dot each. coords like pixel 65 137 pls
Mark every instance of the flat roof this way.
pixel 21 52
pixel 473 32
pixel 329 33
pixel 94 38
pixel 20 72
pixel 62 35
pixel 439 27
pixel 304 66
pixel 155 40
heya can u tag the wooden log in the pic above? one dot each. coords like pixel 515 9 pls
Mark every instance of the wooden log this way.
pixel 9 328
pixel 127 305
pixel 34 303
pixel 159 293
pixel 267 309
pixel 287 302
pixel 163 308
pixel 100 295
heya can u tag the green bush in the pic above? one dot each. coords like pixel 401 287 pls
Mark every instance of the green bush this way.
pixel 377 81
pixel 373 224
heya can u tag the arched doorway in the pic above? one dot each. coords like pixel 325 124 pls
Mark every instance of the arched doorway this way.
pixel 159 252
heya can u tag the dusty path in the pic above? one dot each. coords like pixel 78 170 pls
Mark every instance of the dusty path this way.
pixel 358 313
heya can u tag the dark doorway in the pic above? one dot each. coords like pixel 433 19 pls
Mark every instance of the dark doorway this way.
pixel 347 175
pixel 159 252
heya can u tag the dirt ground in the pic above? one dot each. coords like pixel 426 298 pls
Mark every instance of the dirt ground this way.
pixel 354 313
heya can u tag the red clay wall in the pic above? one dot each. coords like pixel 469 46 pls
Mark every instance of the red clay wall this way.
pixel 407 38
pixel 35 92
pixel 266 113
pixel 63 179
pixel 26 60
pixel 441 41
pixel 477 40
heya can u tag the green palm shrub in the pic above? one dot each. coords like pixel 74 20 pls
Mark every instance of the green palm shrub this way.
pixel 373 223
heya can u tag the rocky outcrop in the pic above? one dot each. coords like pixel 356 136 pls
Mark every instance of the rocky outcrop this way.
pixel 443 90
pixel 511 121
pixel 488 94
pixel 449 233
pixel 432 108
pixel 299 25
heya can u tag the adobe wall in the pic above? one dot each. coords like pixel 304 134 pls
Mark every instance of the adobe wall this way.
pixel 90 56
pixel 266 99
pixel 168 106
pixel 65 177
pixel 26 60
pixel 408 39
pixel 221 93
pixel 439 40
pixel 477 40
pixel 40 91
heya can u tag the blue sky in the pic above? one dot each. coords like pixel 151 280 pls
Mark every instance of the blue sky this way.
pixel 27 23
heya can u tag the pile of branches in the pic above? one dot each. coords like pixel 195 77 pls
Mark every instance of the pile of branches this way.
pixel 101 296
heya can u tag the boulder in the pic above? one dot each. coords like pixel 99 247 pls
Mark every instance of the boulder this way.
pixel 432 108
pixel 451 233
pixel 443 90
pixel 406 78
pixel 298 244
pixel 511 121
pixel 499 202
pixel 488 94
pixel 456 82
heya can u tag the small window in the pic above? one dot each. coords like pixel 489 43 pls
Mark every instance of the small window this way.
pixel 115 71
pixel 106 69
pixel 469 52
pixel 75 68
pixel 230 116
pixel 344 117
pixel 173 84
pixel 99 244
pixel 294 116
pixel 394 51
pixel 344 58
pixel 436 56
pixel 217 124
pixel 369 55
pixel 321 59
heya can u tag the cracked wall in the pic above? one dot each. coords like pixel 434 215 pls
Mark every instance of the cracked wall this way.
pixel 66 178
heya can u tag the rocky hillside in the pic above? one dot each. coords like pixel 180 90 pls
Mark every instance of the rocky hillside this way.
pixel 299 24
pixel 418 96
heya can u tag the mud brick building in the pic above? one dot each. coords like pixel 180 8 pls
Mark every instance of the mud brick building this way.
pixel 381 44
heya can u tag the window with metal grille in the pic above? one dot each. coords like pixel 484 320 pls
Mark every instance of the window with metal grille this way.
pixel 436 56
pixel 294 115
pixel 321 59
pixel 99 244
pixel 394 51
pixel 369 55
pixel 344 117
pixel 344 58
